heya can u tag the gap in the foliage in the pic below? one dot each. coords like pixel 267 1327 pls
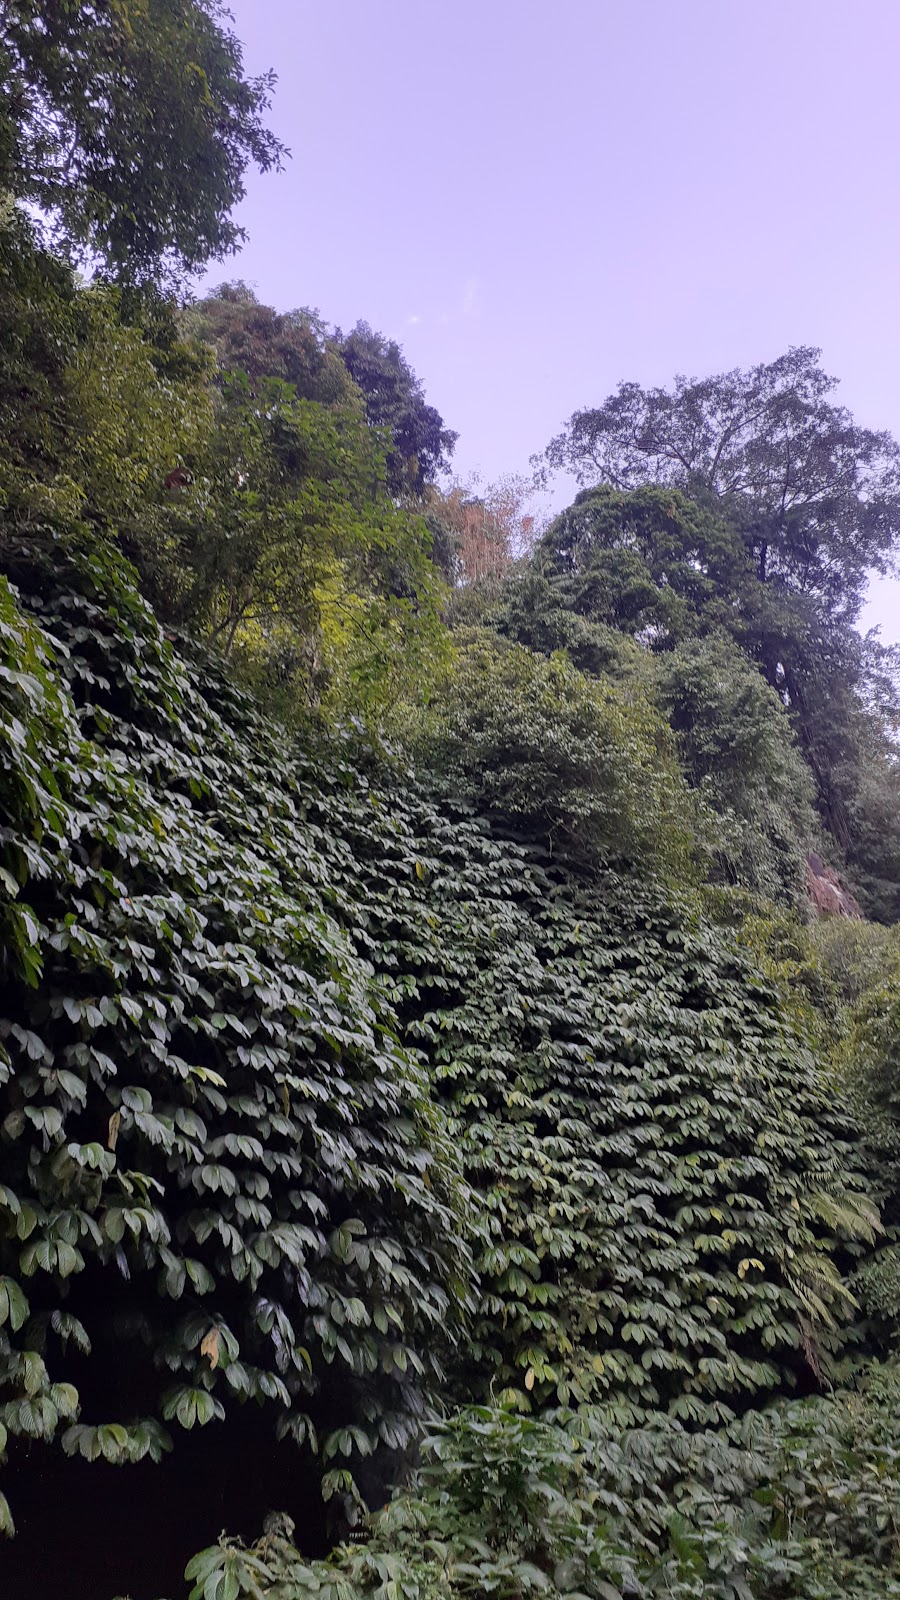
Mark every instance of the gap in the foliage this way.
pixel 89 1530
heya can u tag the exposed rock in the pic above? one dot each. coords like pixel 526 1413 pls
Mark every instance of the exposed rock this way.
pixel 826 892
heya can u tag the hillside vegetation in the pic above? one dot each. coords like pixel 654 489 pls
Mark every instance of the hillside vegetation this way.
pixel 448 1145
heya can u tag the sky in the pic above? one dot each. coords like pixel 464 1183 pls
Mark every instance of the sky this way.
pixel 539 198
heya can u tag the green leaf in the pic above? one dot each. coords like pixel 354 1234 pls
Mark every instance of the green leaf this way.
pixel 13 1304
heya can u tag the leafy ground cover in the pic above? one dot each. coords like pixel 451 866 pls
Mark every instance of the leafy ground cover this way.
pixel 798 1503
pixel 218 1162
pixel 323 1095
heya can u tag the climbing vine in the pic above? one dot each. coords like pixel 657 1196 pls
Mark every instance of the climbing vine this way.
pixel 218 1162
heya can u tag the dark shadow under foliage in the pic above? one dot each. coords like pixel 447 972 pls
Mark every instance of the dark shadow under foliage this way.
pixel 91 1530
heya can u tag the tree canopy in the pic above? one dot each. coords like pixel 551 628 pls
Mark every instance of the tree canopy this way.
pixel 263 343
pixel 816 495
pixel 131 126
pixel 792 506
pixel 421 443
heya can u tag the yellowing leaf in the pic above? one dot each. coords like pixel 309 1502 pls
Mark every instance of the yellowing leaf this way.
pixel 115 1123
pixel 210 1347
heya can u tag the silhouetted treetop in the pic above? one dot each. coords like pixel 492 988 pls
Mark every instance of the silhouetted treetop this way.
pixel 395 399
pixel 816 494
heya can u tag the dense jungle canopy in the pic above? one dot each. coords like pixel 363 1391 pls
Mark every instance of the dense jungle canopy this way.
pixel 450 1022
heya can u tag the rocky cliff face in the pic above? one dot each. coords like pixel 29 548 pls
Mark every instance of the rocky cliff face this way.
pixel 826 892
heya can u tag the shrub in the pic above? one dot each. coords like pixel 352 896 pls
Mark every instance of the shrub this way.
pixel 585 766
pixel 801 1503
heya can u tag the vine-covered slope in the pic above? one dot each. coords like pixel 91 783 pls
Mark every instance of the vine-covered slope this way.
pixel 304 1065
pixel 216 1158
pixel 662 1170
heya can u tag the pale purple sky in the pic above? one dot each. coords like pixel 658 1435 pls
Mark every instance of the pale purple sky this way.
pixel 538 200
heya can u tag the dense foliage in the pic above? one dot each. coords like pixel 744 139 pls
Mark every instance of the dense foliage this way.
pixel 328 365
pixel 131 125
pixel 798 1504
pixel 203 1095
pixel 263 343
pixel 222 968
pixel 738 755
pixel 257 517
pixel 444 1065
pixel 644 589
pixel 805 505
pixel 597 1054
pixel 421 443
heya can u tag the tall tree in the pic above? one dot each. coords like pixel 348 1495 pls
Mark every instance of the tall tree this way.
pixel 815 500
pixel 817 496
pixel 421 444
pixel 131 124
